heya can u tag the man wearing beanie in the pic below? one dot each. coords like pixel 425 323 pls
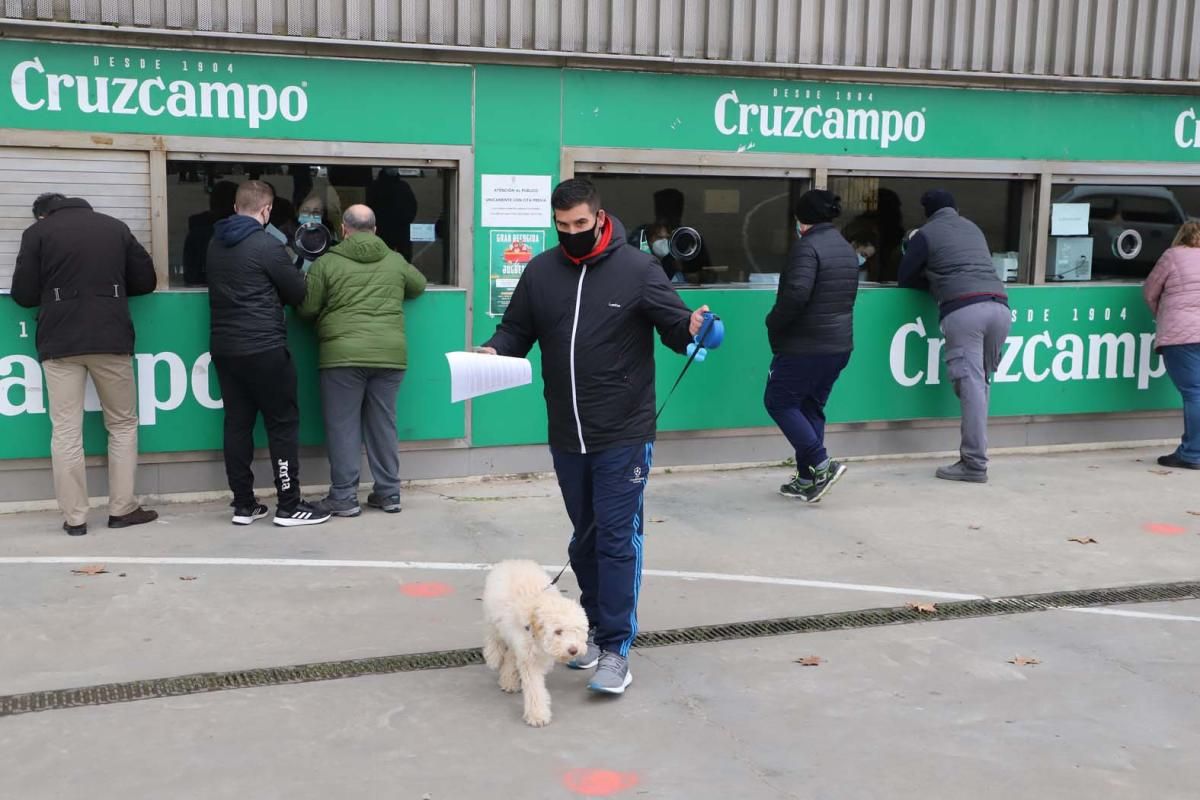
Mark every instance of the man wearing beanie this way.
pixel 810 329
pixel 950 257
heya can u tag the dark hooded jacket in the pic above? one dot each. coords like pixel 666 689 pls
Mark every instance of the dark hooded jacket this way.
pixel 79 268
pixel 814 307
pixel 250 279
pixel 595 322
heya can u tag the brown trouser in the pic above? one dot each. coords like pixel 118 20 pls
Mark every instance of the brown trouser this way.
pixel 65 382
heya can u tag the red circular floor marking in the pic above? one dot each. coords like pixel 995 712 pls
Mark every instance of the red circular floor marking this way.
pixel 599 782
pixel 1164 529
pixel 429 589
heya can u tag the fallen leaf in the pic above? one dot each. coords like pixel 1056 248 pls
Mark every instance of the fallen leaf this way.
pixel 122 575
pixel 1083 540
pixel 810 661
pixel 658 520
pixel 924 608
pixel 1194 513
pixel 90 569
pixel 1160 471
pixel 1024 661
pixel 975 527
pixel 187 577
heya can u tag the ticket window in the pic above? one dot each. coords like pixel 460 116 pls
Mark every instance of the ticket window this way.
pixel 878 211
pixel 745 224
pixel 1104 232
pixel 414 209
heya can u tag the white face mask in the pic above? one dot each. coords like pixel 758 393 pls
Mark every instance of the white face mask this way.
pixel 661 247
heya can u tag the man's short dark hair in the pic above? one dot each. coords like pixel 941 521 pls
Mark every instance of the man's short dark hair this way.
pixel 574 191
pixel 253 196
pixel 41 206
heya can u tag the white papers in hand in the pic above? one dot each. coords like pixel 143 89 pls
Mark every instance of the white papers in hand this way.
pixel 475 374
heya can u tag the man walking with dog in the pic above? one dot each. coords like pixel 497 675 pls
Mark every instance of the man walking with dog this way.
pixel 593 304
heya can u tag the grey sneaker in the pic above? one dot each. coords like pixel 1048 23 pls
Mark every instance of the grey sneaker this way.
pixel 588 658
pixel 339 508
pixel 958 471
pixel 390 504
pixel 612 674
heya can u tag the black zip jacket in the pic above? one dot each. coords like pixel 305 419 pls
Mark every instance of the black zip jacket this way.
pixel 80 268
pixel 595 323
pixel 250 279
pixel 814 308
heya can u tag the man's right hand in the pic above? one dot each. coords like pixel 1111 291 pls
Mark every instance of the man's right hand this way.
pixel 490 351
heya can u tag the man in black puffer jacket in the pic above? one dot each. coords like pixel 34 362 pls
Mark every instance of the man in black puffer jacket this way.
pixel 250 279
pixel 79 268
pixel 593 304
pixel 811 330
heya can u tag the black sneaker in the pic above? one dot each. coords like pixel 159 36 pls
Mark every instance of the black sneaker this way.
pixel 824 479
pixel 244 515
pixel 303 514
pixel 75 530
pixel 390 504
pixel 811 491
pixel 797 488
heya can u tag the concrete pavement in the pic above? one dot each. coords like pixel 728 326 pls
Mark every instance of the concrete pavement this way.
pixel 927 710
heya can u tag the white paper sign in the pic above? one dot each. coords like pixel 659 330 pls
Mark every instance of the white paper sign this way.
pixel 516 201
pixel 1069 219
pixel 475 374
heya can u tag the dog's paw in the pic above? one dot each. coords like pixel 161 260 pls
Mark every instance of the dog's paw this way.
pixel 537 720
pixel 512 686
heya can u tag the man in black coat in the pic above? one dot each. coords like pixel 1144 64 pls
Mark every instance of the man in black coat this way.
pixel 811 330
pixel 79 268
pixel 250 279
pixel 593 304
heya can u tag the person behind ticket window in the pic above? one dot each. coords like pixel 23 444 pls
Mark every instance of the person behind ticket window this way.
pixel 200 231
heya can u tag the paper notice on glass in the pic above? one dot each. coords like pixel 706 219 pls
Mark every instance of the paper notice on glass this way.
pixel 515 201
pixel 475 374
pixel 1069 219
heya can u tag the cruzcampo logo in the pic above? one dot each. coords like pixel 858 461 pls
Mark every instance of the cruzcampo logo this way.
pixel 37 87
pixel 820 113
pixel 1187 129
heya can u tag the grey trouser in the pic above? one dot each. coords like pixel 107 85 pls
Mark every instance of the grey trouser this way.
pixel 975 337
pixel 360 407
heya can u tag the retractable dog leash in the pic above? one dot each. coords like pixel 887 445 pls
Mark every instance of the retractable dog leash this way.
pixel 710 336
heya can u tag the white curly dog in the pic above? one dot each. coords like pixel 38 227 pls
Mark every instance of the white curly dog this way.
pixel 529 627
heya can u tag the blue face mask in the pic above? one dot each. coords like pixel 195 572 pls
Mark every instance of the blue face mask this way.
pixel 798 231
pixel 307 218
pixel 861 260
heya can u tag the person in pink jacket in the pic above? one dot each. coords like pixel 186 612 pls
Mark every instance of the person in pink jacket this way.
pixel 1173 293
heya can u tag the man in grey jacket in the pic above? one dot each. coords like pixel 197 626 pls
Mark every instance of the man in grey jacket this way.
pixel 950 257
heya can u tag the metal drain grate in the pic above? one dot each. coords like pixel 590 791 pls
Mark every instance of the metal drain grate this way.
pixel 199 683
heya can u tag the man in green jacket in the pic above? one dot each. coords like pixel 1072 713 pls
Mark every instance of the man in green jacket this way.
pixel 356 294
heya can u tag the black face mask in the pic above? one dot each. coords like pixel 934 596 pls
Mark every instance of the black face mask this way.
pixel 578 245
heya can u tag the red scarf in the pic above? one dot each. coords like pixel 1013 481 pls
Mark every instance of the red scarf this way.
pixel 601 245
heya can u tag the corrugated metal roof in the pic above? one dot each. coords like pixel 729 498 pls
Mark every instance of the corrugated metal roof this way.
pixel 1104 39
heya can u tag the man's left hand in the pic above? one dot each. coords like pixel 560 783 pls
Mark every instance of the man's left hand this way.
pixel 697 320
